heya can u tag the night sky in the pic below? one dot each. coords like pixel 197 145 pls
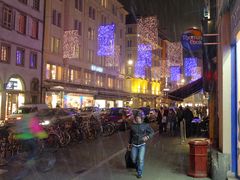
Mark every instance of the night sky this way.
pixel 175 16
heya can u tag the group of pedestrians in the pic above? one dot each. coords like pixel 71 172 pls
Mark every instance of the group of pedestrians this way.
pixel 176 120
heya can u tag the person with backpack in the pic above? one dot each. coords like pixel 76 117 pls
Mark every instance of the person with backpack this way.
pixel 140 133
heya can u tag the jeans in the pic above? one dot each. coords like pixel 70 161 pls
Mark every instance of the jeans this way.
pixel 137 154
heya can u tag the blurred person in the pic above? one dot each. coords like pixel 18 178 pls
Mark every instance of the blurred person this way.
pixel 159 120
pixel 164 119
pixel 182 122
pixel 140 132
pixel 188 116
pixel 171 119
pixel 28 130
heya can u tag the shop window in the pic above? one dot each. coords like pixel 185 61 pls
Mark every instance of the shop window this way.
pixel 34 33
pixel 36 4
pixel 7 18
pixel 20 57
pixel 21 20
pixel 33 60
pixel 5 53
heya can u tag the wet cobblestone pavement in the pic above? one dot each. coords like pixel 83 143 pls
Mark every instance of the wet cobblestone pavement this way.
pixel 103 159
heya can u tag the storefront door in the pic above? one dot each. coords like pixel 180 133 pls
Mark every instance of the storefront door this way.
pixel 14 100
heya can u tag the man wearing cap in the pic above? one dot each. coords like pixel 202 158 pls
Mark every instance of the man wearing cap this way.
pixel 140 132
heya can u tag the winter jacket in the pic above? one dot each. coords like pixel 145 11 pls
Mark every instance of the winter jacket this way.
pixel 138 131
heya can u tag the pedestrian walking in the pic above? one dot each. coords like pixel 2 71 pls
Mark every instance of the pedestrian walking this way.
pixel 159 120
pixel 164 119
pixel 182 122
pixel 188 116
pixel 171 119
pixel 140 132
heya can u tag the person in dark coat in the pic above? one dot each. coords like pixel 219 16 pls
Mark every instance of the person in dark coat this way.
pixel 188 116
pixel 159 120
pixel 171 119
pixel 140 132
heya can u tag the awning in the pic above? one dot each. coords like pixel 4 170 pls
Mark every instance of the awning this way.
pixel 186 91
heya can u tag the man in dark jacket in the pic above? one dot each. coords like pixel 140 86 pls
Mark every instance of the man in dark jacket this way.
pixel 139 133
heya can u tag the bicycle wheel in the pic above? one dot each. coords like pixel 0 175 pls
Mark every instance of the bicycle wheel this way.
pixel 52 142
pixel 45 161
pixel 108 130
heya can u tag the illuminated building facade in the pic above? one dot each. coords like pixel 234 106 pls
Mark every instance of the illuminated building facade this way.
pixel 87 70
pixel 21 53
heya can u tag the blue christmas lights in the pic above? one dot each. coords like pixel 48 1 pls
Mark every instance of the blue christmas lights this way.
pixel 175 72
pixel 144 59
pixel 106 40
pixel 189 64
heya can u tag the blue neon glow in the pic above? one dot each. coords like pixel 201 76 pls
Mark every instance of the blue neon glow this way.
pixel 106 40
pixel 175 72
pixel 189 64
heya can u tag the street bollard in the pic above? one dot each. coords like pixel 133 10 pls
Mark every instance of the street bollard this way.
pixel 198 158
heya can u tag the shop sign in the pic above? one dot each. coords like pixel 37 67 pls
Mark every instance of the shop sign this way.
pixel 192 39
pixel 11 85
pixel 96 68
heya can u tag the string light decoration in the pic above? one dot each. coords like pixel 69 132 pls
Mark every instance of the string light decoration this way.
pixel 114 60
pixel 144 60
pixel 196 73
pixel 175 53
pixel 189 64
pixel 106 40
pixel 165 71
pixel 71 41
pixel 147 30
pixel 175 72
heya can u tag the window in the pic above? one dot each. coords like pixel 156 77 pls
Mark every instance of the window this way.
pixel 113 9
pixel 93 14
pixel 7 17
pixel 79 4
pixel 56 18
pixel 104 3
pixel 77 50
pixel 22 23
pixel 90 12
pixel 48 69
pixel 129 56
pixel 90 56
pixel 5 53
pixel 53 72
pixel 59 73
pixel 55 45
pixel 35 5
pixel 88 78
pixel 33 60
pixel 121 18
pixel 99 80
pixel 20 57
pixel 110 82
pixel 91 33
pixel 78 26
pixel 23 1
pixel 129 43
pixel 71 75
pixel 34 33
pixel 130 70
pixel 130 31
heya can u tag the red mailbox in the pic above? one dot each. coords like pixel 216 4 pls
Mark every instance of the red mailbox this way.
pixel 198 158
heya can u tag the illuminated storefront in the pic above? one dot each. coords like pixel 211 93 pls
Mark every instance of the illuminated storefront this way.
pixel 54 99
pixel 15 95
pixel 74 100
pixel 101 103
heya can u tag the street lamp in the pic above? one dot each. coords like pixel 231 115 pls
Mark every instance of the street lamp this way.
pixel 130 62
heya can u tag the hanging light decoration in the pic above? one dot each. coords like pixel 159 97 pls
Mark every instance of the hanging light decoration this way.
pixel 165 71
pixel 189 64
pixel 175 53
pixel 156 73
pixel 144 60
pixel 114 60
pixel 196 73
pixel 106 40
pixel 175 72
pixel 147 31
pixel 71 41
